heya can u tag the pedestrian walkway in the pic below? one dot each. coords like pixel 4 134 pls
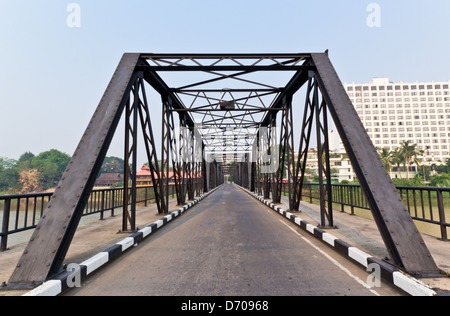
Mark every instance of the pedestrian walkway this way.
pixel 363 233
pixel 90 238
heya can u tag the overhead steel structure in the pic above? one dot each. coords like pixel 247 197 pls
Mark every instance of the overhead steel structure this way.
pixel 236 117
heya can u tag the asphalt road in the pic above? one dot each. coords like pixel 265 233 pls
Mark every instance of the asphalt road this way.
pixel 230 245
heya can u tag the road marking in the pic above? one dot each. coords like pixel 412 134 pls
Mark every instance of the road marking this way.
pixel 332 260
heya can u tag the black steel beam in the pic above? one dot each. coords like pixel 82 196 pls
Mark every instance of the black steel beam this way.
pixel 46 251
pixel 225 68
pixel 225 56
pixel 299 79
pixel 401 236
pixel 161 87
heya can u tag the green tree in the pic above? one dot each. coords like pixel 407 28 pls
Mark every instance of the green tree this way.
pixel 51 165
pixel 386 158
pixel 8 174
pixel 410 155
pixel 397 159
pixel 442 181
pixel 24 162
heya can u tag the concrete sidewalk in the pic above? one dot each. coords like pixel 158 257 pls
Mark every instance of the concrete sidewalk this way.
pixel 363 233
pixel 89 239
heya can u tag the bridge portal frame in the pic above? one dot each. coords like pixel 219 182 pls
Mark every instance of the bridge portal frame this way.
pixel 325 96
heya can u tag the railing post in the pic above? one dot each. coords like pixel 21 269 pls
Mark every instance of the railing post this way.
pixel 146 197
pixel 102 215
pixel 442 216
pixel 5 226
pixel 113 200
pixel 351 201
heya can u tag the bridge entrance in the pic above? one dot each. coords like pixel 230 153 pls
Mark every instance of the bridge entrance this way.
pixel 224 114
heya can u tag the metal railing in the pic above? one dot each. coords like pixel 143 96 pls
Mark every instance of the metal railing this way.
pixel 19 213
pixel 425 204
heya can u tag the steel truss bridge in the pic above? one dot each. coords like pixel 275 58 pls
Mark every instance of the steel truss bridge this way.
pixel 223 114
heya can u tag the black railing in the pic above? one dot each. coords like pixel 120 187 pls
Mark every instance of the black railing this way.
pixel 425 204
pixel 19 213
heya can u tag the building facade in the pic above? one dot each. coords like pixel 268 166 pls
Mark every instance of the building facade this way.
pixel 109 179
pixel 397 112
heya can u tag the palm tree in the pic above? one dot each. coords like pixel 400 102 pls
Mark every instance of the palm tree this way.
pixel 410 155
pixel 386 157
pixel 397 159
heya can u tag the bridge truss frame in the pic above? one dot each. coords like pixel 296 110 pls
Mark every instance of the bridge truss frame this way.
pixel 259 108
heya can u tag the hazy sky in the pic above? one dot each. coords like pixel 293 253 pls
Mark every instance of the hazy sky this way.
pixel 52 77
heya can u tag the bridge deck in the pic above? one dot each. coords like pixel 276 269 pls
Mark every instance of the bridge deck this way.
pixel 230 245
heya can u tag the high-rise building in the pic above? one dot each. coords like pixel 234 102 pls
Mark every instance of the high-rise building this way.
pixel 397 112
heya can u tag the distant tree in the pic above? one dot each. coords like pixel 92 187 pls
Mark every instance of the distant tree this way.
pixel 112 165
pixel 442 181
pixel 30 181
pixel 7 163
pixel 398 159
pixel 8 174
pixel 386 157
pixel 28 156
pixel 410 155
pixel 25 160
pixel 51 165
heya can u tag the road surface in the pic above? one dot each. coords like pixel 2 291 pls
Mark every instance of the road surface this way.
pixel 230 245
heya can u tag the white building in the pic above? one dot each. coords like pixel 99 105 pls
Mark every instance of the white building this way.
pixel 397 112
pixel 339 160
pixel 341 167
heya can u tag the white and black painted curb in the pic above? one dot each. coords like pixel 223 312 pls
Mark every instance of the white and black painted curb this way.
pixel 59 284
pixel 389 273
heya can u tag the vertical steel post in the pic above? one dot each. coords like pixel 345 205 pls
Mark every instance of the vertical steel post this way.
pixel 134 159
pixel 290 150
pixel 131 129
pixel 165 152
pixel 442 215
pixel 150 146
pixel 5 225
pixel 300 170
pixel 126 181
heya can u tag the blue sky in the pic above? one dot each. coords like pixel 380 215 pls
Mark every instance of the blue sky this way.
pixel 52 76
